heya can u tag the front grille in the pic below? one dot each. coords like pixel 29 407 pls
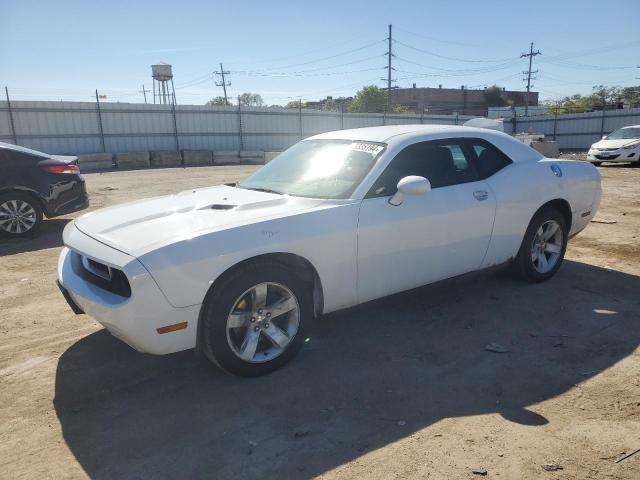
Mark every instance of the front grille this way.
pixel 102 276
pixel 607 157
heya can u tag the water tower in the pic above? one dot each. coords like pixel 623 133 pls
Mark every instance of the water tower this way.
pixel 163 83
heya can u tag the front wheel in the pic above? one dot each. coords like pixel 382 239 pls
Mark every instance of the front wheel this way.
pixel 256 320
pixel 596 164
pixel 543 246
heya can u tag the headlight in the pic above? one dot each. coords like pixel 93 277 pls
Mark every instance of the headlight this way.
pixel 631 145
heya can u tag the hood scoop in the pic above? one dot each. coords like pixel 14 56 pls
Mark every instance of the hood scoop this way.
pixel 220 206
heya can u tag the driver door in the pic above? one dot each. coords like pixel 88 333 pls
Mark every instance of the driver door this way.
pixel 440 234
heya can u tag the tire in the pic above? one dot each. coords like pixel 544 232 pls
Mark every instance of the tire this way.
pixel 237 302
pixel 529 263
pixel 20 215
pixel 597 164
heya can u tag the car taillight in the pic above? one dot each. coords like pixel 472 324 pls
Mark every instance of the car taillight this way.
pixel 62 168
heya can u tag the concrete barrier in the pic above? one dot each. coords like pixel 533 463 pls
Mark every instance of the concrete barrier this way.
pixel 132 160
pixel 95 162
pixel 195 158
pixel 226 157
pixel 268 156
pixel 165 158
pixel 252 157
pixel 549 149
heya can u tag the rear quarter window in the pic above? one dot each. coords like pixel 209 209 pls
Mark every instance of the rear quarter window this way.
pixel 489 159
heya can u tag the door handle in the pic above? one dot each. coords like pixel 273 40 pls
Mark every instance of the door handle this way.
pixel 481 195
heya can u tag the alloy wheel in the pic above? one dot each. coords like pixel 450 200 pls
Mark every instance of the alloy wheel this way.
pixel 17 216
pixel 262 322
pixel 546 247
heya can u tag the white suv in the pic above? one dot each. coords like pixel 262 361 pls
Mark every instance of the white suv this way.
pixel 623 145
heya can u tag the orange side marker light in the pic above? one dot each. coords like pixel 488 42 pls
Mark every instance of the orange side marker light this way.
pixel 172 328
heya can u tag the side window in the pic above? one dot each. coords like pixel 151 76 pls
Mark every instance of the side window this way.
pixel 442 162
pixel 488 158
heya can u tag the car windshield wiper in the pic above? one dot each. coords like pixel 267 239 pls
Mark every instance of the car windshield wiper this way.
pixel 258 189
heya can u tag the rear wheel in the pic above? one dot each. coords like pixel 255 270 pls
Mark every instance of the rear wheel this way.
pixel 543 246
pixel 256 320
pixel 20 215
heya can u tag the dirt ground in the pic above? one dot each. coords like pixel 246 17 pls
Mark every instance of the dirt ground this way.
pixel 398 388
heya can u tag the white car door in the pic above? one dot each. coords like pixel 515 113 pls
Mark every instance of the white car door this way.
pixel 429 237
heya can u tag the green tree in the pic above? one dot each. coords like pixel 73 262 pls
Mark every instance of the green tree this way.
pixel 631 95
pixel 217 101
pixel 573 104
pixel 399 108
pixel 249 99
pixel 370 99
pixel 493 96
pixel 330 105
pixel 295 104
pixel 608 94
pixel 587 103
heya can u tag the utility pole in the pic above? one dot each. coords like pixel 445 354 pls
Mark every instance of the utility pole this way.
pixel 531 54
pixel 389 68
pixel 389 73
pixel 144 92
pixel 224 84
pixel 99 111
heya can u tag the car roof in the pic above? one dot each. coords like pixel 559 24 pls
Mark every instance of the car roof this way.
pixel 388 132
pixel 396 134
pixel 385 133
pixel 18 148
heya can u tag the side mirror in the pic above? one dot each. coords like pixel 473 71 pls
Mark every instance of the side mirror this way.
pixel 411 185
pixel 603 137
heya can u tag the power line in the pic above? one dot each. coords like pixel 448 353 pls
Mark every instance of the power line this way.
pixel 584 66
pixel 207 77
pixel 452 58
pixel 590 51
pixel 196 81
pixel 530 55
pixel 294 74
pixel 459 72
pixel 435 39
pixel 328 57
pixel 304 54
pixel 300 72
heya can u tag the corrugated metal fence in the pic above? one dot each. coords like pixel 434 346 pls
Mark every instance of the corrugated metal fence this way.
pixel 82 127
pixel 575 131
pixel 88 127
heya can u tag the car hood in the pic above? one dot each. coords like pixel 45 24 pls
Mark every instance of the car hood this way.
pixel 137 227
pixel 614 143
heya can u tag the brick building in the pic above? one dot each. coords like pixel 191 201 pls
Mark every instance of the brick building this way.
pixel 450 100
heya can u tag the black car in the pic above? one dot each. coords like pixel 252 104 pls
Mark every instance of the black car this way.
pixel 33 184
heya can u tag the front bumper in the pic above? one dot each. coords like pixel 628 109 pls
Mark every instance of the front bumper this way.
pixel 74 205
pixel 620 155
pixel 134 319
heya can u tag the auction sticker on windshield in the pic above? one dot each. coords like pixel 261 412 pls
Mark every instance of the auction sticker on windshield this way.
pixel 372 148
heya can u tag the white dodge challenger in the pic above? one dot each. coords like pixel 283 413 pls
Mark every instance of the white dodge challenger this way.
pixel 240 271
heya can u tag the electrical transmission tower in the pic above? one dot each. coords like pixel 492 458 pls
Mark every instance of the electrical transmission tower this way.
pixel 389 68
pixel 224 84
pixel 531 54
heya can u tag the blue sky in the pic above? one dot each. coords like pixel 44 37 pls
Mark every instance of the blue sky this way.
pixel 290 49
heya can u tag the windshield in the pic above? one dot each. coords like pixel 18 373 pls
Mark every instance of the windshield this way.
pixel 317 168
pixel 624 133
